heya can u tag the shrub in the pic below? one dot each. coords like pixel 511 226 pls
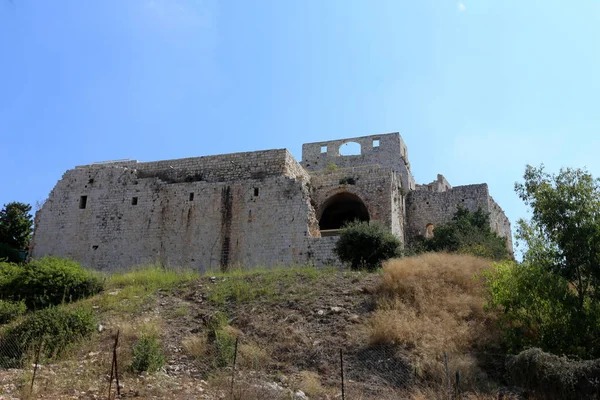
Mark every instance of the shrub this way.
pixel 47 281
pixel 147 354
pixel 365 245
pixel 467 233
pixel 10 310
pixel 56 327
pixel 554 377
pixel 537 308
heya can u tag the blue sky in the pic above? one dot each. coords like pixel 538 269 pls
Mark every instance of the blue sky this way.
pixel 478 88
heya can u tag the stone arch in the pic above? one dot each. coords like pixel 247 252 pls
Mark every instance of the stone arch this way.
pixel 350 149
pixel 341 208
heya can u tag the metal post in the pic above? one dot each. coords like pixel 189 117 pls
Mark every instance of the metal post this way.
pixel 342 372
pixel 234 361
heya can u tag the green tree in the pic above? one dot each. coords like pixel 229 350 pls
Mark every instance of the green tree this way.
pixel 552 298
pixel 563 235
pixel 365 245
pixel 467 232
pixel 16 224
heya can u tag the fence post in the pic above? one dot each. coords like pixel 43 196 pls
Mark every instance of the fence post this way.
pixel 234 361
pixel 342 372
pixel 457 389
pixel 113 368
pixel 448 382
pixel 35 366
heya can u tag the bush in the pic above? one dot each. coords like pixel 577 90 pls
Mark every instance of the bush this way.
pixel 147 354
pixel 467 233
pixel 57 327
pixel 47 281
pixel 365 245
pixel 554 377
pixel 10 310
pixel 537 308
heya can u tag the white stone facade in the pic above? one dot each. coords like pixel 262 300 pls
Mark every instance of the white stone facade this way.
pixel 252 209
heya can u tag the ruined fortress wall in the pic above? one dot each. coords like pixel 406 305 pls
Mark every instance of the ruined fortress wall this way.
pixel 425 207
pixel 372 185
pixel 500 223
pixel 387 151
pixel 254 221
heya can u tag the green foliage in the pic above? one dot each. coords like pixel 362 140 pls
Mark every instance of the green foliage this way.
pixel 564 233
pixel 56 327
pixel 331 167
pixel 147 354
pixel 47 281
pixel 151 277
pixel 10 310
pixel 552 299
pixel 16 225
pixel 221 339
pixel 552 377
pixel 365 245
pixel 536 309
pixel 268 285
pixel 469 233
pixel 9 254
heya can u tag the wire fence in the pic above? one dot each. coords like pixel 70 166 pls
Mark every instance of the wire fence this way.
pixel 220 368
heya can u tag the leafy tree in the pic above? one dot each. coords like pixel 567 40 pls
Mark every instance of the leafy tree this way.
pixel 365 245
pixel 552 299
pixel 467 232
pixel 16 225
pixel 563 235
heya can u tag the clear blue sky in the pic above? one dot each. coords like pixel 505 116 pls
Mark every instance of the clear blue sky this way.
pixel 477 88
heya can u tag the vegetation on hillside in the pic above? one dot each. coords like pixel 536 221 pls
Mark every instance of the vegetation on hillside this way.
pixel 364 245
pixel 16 226
pixel 552 299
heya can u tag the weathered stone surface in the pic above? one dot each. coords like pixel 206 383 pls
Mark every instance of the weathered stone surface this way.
pixel 256 208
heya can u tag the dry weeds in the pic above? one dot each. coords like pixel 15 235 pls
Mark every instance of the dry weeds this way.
pixel 433 304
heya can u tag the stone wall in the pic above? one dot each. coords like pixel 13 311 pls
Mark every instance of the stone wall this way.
pixel 387 151
pixel 255 208
pixel 500 223
pixel 134 216
pixel 425 207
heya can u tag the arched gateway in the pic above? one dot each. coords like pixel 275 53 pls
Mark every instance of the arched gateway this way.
pixel 341 208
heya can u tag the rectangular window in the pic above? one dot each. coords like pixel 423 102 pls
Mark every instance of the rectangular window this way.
pixel 134 201
pixel 255 192
pixel 323 149
pixel 82 202
pixel 375 143
pixel 191 196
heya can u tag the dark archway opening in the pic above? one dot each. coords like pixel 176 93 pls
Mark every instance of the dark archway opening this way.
pixel 342 208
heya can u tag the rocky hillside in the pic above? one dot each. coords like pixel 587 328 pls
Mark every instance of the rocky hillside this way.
pixel 279 334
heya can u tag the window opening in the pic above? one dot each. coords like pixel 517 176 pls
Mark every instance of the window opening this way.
pixel 255 192
pixel 134 201
pixel 191 196
pixel 323 149
pixel 350 149
pixel 82 202
pixel 375 143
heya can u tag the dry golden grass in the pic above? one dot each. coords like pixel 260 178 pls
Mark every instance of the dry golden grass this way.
pixel 433 304
pixel 253 356
pixel 195 345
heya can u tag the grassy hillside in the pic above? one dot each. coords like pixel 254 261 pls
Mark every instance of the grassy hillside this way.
pixel 289 325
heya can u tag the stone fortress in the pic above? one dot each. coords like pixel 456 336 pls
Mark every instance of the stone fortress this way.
pixel 256 208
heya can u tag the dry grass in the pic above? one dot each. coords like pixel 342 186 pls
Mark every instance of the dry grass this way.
pixel 433 304
pixel 253 356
